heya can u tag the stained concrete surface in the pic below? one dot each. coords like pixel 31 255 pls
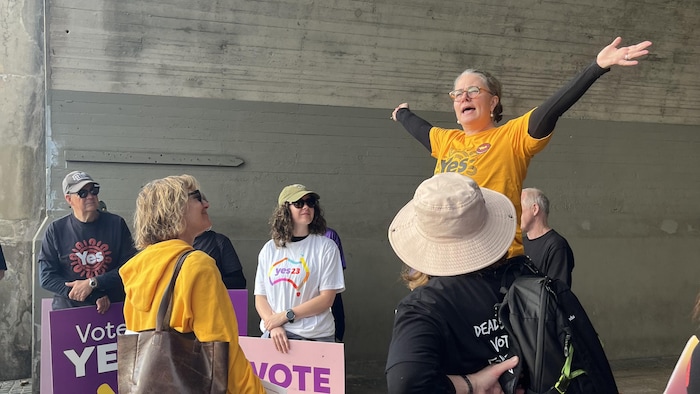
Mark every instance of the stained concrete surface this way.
pixel 639 376
pixel 22 386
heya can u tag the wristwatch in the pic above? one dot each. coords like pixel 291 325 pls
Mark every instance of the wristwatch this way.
pixel 93 283
pixel 290 315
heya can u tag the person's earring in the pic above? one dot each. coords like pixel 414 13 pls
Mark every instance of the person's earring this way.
pixel 458 122
pixel 491 114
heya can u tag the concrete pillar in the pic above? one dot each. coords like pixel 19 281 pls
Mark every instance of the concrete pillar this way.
pixel 22 175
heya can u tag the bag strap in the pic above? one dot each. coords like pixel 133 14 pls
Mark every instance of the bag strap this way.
pixel 530 265
pixel 567 375
pixel 519 265
pixel 165 309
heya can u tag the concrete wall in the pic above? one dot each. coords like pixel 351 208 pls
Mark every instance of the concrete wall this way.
pixel 377 54
pixel 21 174
pixel 365 168
pixel 609 183
pixel 301 91
pixel 624 195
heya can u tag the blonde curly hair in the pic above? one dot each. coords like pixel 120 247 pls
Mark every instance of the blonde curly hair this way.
pixel 160 209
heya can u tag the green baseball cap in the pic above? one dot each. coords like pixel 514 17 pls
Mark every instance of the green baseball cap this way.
pixel 294 192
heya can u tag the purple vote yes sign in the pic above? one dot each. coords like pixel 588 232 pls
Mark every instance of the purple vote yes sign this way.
pixel 83 346
pixel 239 299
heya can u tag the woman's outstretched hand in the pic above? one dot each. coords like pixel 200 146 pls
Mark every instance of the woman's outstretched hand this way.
pixel 611 55
pixel 393 114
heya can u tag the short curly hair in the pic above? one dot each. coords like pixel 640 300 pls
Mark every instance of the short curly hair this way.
pixel 160 209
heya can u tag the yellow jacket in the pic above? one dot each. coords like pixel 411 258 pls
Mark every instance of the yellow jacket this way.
pixel 200 303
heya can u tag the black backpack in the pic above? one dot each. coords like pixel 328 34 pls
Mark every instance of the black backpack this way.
pixel 549 331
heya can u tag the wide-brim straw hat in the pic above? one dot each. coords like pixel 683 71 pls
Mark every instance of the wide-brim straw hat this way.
pixel 453 227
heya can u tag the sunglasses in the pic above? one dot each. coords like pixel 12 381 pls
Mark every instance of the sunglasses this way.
pixel 311 203
pixel 82 193
pixel 196 194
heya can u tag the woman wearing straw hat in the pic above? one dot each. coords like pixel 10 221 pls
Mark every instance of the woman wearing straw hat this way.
pixel 445 337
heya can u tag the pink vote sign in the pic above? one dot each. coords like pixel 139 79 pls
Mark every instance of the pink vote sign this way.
pixel 309 367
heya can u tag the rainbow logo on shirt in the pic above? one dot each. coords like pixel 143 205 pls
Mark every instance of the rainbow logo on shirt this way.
pixel 278 274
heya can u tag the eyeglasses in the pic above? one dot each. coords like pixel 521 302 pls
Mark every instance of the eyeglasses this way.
pixel 310 202
pixel 196 194
pixel 471 92
pixel 82 193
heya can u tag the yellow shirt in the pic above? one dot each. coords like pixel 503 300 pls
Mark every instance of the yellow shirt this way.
pixel 200 303
pixel 496 159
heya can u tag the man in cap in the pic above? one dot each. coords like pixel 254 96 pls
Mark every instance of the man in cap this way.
pixel 81 252
pixel 446 338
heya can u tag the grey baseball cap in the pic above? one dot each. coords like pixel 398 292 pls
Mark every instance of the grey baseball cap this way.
pixel 75 181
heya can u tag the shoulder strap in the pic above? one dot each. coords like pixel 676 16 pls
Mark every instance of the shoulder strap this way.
pixel 530 265
pixel 165 309
pixel 518 266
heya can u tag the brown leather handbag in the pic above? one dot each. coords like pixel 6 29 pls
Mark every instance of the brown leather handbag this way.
pixel 167 361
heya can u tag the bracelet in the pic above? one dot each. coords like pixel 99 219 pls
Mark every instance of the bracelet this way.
pixel 469 383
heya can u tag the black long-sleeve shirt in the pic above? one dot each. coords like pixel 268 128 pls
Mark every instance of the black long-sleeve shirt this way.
pixel 73 250
pixel 552 255
pixel 542 120
pixel 219 247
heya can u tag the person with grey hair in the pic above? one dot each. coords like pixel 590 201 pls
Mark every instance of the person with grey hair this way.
pixel 546 248
pixel 497 156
